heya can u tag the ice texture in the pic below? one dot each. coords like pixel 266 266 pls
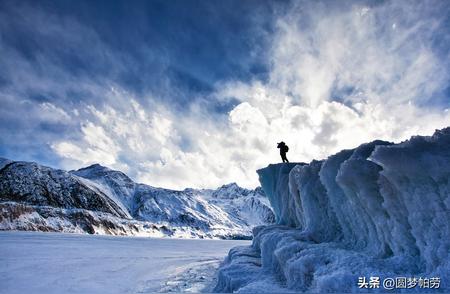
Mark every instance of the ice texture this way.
pixel 380 209
pixel 275 183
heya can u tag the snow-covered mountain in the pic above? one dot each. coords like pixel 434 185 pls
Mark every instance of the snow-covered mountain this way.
pixel 97 199
pixel 379 212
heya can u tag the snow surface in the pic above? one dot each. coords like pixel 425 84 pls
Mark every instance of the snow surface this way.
pixel 36 262
pixel 381 209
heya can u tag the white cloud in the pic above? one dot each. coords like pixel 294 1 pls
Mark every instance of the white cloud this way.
pixel 53 113
pixel 97 146
pixel 338 77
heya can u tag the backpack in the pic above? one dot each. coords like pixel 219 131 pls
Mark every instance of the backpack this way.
pixel 286 148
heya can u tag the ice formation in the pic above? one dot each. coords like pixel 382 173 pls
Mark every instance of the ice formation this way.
pixel 380 210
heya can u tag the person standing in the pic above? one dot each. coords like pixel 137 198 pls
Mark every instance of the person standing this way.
pixel 283 150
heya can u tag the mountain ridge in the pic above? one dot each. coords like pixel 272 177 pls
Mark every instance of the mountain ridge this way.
pixel 97 199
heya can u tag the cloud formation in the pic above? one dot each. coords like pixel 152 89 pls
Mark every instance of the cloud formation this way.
pixel 335 76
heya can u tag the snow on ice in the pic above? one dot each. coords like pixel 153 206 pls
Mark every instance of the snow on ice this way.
pixel 36 262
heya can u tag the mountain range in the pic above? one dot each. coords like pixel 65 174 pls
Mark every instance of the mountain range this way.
pixel 99 200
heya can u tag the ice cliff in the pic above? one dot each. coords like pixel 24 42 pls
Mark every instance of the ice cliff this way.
pixel 380 210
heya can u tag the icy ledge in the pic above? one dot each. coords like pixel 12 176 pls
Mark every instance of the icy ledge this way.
pixel 377 210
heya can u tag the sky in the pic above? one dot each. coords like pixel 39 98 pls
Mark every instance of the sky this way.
pixel 186 93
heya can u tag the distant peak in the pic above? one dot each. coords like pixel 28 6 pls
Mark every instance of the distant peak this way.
pixel 230 185
pixel 96 171
pixel 231 190
pixel 95 166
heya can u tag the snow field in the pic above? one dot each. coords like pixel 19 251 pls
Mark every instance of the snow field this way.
pixel 35 262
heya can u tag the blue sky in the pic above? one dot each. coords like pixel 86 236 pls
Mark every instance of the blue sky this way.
pixel 197 93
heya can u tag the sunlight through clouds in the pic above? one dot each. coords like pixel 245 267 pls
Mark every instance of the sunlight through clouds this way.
pixel 337 76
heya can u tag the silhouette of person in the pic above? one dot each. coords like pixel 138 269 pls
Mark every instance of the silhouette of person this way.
pixel 283 150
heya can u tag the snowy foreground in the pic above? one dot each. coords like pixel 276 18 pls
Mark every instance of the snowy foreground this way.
pixel 33 262
pixel 375 218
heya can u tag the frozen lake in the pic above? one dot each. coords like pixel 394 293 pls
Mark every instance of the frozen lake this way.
pixel 33 262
